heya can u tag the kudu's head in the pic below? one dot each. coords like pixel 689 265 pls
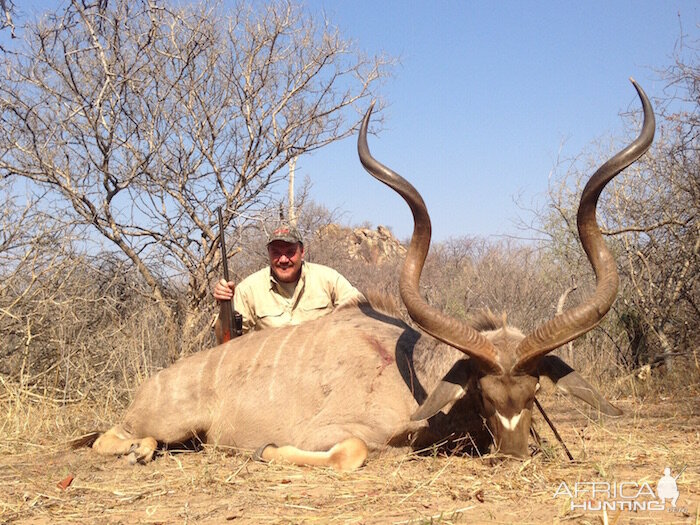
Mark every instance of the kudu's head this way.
pixel 505 364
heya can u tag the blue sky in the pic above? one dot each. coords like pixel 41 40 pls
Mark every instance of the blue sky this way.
pixel 486 97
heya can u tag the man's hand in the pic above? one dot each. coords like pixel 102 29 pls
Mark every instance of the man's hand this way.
pixel 223 291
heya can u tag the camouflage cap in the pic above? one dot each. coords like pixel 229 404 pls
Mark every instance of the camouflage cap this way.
pixel 287 233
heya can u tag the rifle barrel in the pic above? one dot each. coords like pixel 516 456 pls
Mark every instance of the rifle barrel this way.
pixel 228 322
pixel 222 243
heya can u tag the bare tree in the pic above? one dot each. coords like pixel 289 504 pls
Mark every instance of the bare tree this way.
pixel 72 322
pixel 140 119
pixel 651 216
pixel 30 256
pixel 8 8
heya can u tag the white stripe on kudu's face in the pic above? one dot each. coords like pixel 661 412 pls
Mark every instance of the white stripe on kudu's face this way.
pixel 509 424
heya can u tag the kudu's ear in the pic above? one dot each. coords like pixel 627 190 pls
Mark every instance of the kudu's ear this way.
pixel 571 382
pixel 450 388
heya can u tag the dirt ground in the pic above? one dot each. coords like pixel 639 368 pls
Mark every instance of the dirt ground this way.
pixel 215 486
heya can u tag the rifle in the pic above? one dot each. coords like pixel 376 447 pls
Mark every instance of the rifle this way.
pixel 681 472
pixel 231 321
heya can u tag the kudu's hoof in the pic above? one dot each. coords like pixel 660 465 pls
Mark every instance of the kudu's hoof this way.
pixel 258 454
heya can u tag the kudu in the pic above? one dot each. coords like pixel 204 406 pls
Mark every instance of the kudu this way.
pixel 360 380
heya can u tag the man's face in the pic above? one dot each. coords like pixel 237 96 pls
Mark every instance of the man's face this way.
pixel 285 260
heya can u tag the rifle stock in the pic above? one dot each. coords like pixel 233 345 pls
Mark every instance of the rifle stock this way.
pixel 231 321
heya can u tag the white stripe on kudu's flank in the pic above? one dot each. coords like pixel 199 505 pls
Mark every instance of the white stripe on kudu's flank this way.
pixel 509 424
pixel 218 367
pixel 251 368
pixel 254 361
pixel 275 363
pixel 299 363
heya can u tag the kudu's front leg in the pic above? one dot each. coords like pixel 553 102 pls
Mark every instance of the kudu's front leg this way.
pixel 117 442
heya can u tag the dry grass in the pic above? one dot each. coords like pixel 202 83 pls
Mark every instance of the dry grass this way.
pixel 216 486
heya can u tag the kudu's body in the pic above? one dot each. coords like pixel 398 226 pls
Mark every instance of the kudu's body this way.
pixel 347 375
pixel 331 390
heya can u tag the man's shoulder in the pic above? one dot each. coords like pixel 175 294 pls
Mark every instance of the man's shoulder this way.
pixel 322 274
pixel 320 269
pixel 320 277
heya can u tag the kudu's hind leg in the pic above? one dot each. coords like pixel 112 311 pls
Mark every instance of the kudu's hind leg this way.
pixel 117 442
pixel 349 454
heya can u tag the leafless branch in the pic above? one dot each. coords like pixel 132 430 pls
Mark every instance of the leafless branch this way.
pixel 142 119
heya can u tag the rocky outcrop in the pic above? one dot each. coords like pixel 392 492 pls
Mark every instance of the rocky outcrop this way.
pixel 375 246
pixel 372 246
